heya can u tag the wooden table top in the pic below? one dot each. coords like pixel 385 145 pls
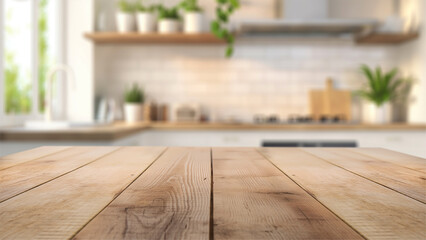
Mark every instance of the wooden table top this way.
pixel 212 193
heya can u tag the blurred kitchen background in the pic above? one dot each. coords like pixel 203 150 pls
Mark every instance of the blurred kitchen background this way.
pixel 299 73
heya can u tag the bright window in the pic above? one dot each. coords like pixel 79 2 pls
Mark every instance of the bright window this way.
pixel 30 42
pixel 18 56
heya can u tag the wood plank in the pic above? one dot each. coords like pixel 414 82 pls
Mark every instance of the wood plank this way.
pixel 96 133
pixel 409 161
pixel 373 210
pixel 290 127
pixel 58 209
pixel 25 156
pixel 330 102
pixel 154 38
pixel 254 200
pixel 404 180
pixel 387 38
pixel 171 200
pixel 22 177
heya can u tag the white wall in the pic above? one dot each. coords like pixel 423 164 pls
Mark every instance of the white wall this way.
pixel 80 56
pixel 373 9
pixel 412 60
pixel 306 9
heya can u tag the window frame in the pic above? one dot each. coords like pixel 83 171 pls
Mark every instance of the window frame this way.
pixel 34 114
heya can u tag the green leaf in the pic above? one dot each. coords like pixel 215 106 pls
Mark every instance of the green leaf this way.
pixel 224 10
pixel 215 26
pixel 135 95
pixel 378 81
pixel 169 13
pixel 382 86
pixel 368 73
pixel 126 6
pixel 222 15
pixel 225 34
pixel 235 3
pixel 390 76
pixel 230 39
pixel 231 9
pixel 229 51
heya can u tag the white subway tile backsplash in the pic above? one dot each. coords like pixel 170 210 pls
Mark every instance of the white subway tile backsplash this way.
pixel 271 78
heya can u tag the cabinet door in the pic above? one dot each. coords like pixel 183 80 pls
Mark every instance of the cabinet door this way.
pixel 412 143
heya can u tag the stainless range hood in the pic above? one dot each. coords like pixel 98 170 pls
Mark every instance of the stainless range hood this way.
pixel 305 17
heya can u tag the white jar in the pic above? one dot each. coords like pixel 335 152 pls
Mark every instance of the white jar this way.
pixel 193 22
pixel 146 22
pixel 167 26
pixel 133 112
pixel 125 22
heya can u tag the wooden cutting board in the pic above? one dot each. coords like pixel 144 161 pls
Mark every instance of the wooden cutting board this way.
pixel 330 102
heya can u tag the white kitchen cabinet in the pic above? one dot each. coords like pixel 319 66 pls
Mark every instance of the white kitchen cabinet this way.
pixel 410 142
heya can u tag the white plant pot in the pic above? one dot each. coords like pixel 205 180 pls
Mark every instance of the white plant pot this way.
pixel 125 22
pixel 133 112
pixel 167 26
pixel 378 115
pixel 193 22
pixel 146 22
pixel 393 24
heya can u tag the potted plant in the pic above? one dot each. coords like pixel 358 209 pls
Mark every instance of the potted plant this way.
pixel 380 90
pixel 219 26
pixel 169 20
pixel 401 102
pixel 145 18
pixel 133 107
pixel 193 16
pixel 125 17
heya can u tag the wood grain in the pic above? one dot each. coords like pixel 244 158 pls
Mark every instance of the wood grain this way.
pixel 58 209
pixel 171 200
pixel 20 178
pixel 254 200
pixel 387 38
pixel 25 156
pixel 330 102
pixel 154 38
pixel 375 211
pixel 404 180
pixel 401 159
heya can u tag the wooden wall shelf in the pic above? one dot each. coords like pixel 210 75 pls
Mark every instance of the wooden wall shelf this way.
pixel 207 38
pixel 387 38
pixel 154 38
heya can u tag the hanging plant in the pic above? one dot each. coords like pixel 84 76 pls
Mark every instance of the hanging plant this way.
pixel 219 28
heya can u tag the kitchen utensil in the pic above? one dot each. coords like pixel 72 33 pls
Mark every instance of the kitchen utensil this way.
pixel 330 102
pixel 186 112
